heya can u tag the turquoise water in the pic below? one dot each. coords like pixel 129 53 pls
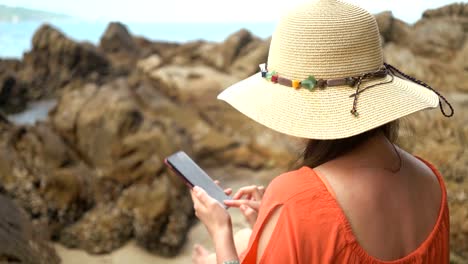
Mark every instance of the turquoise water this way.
pixel 15 38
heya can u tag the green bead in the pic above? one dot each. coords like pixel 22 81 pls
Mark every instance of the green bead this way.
pixel 309 83
pixel 269 74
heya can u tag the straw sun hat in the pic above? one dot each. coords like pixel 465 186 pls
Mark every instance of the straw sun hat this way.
pixel 325 77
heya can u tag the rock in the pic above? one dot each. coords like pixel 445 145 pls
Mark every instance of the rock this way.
pixel 186 83
pixel 439 38
pixel 161 48
pixel 222 55
pixel 150 63
pixel 161 214
pixel 115 135
pixel 43 176
pixel 116 38
pixel 102 229
pixel 10 65
pixel 254 54
pixel 233 45
pixel 19 241
pixel 219 56
pixel 65 114
pixel 451 10
pixel 385 23
pixel 441 75
pixel 126 140
pixel 119 47
pixel 186 54
pixel 55 60
pixel 257 146
pixel 13 92
pixel 53 49
pixel 461 60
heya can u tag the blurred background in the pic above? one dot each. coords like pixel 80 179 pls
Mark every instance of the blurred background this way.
pixel 94 94
pixel 178 20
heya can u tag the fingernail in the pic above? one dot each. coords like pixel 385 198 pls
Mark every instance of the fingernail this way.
pixel 242 207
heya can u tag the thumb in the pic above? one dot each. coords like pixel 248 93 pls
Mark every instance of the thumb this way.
pixel 249 214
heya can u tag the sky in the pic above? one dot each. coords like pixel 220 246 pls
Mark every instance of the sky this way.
pixel 208 10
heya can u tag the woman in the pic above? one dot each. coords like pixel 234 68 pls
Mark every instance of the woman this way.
pixel 358 198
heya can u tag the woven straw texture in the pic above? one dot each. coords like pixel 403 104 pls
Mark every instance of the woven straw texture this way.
pixel 327 39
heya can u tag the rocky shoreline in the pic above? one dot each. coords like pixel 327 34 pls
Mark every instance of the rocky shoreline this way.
pixel 91 175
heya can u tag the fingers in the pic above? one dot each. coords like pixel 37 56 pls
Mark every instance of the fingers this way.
pixel 249 214
pixel 227 191
pixel 201 195
pixel 261 189
pixel 239 203
pixel 250 191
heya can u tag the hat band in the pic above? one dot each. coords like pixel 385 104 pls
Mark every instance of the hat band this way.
pixel 311 82
pixel 355 81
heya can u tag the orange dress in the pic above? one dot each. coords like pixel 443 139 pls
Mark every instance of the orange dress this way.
pixel 312 228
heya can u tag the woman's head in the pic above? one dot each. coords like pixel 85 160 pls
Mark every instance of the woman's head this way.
pixel 325 79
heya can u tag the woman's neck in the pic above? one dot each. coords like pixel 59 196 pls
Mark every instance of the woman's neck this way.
pixel 375 153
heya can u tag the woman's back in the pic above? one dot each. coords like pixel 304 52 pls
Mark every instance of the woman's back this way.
pixel 391 212
pixel 353 210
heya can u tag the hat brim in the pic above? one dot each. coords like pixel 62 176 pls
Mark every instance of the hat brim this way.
pixel 325 113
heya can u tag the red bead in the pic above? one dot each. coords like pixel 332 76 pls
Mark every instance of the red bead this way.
pixel 274 78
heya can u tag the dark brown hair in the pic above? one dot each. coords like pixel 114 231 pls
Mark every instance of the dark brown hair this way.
pixel 318 152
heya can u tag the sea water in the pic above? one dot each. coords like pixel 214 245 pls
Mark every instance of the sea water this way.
pixel 15 38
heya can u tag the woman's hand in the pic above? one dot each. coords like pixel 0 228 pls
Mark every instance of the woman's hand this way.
pixel 248 200
pixel 218 223
pixel 211 213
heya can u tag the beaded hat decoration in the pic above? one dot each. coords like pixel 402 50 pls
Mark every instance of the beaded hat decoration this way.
pixel 310 83
pixel 319 51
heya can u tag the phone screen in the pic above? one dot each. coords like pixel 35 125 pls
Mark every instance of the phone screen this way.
pixel 193 175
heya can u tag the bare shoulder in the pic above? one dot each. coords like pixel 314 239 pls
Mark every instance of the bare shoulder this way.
pixel 422 173
pixel 373 198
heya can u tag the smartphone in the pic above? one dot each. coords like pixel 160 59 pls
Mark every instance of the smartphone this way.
pixel 193 175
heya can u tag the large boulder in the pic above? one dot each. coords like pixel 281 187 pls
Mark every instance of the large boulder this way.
pixel 187 83
pixel 120 48
pixel 13 92
pixel 125 141
pixel 451 10
pixel 116 38
pixel 100 230
pixel 233 45
pixel 43 176
pixel 392 29
pixel 433 49
pixel 19 241
pixel 55 60
pixel 437 38
pixel 252 55
pixel 220 56
pixel 385 23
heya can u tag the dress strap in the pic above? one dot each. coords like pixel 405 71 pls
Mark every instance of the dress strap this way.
pixel 326 183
